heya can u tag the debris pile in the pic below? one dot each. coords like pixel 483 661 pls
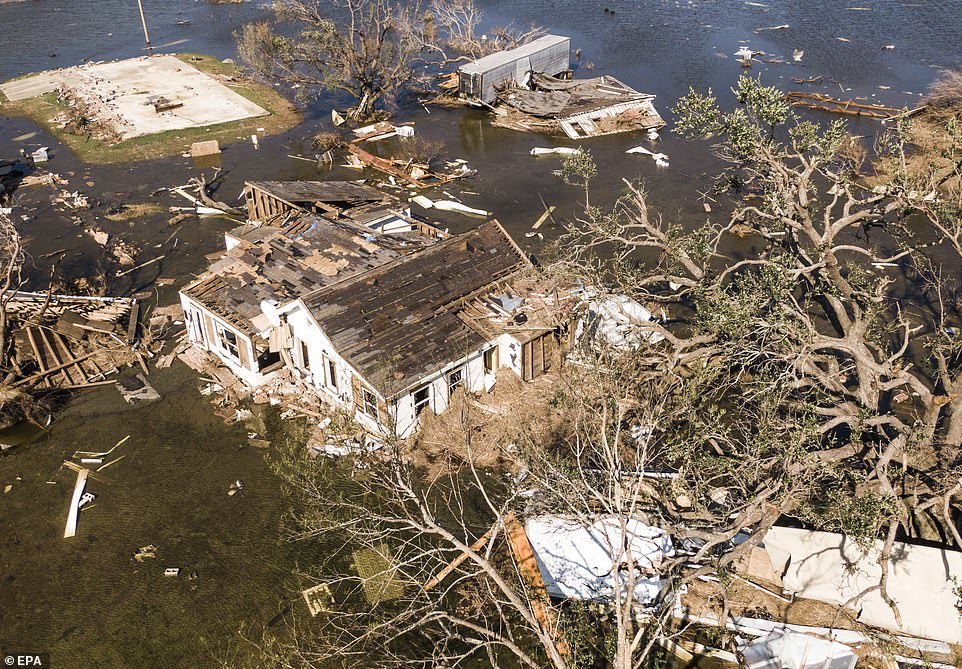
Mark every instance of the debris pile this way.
pixel 66 341
pixel 579 108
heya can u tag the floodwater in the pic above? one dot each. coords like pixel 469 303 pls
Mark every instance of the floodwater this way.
pixel 84 599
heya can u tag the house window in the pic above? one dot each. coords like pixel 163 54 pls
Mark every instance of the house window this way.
pixel 370 403
pixel 305 356
pixel 491 360
pixel 422 398
pixel 331 374
pixel 228 341
pixel 455 379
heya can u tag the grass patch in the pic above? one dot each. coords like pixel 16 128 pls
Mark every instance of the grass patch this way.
pixel 283 116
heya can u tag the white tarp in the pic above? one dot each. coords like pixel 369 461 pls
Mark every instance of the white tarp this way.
pixel 791 650
pixel 578 561
pixel 832 568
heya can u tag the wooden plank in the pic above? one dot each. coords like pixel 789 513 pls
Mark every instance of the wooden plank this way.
pixel 132 325
pixel 52 350
pixel 71 529
pixel 531 574
pixel 70 360
pixel 36 377
pixel 461 557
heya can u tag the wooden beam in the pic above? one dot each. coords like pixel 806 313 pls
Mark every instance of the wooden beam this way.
pixel 461 557
pixel 531 575
pixel 72 513
pixel 53 369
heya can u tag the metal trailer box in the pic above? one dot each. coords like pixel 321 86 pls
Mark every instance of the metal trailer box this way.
pixel 548 54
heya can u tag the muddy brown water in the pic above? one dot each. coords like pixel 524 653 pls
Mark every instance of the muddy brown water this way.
pixel 84 599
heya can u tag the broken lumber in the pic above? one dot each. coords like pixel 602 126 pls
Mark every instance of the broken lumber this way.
pixel 78 490
pixel 531 574
pixel 461 557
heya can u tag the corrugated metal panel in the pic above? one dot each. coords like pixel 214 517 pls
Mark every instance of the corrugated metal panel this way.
pixel 548 54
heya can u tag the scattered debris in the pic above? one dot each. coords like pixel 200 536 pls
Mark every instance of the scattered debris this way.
pixel 411 173
pixel 745 55
pixel 579 108
pixel 136 389
pixel 71 529
pixel 145 552
pixel 850 107
pixel 86 499
pixel 318 598
pixel 40 155
pixel 449 205
pixel 208 148
pixel 70 341
pixel 558 150
pixel 661 160
pixel 234 488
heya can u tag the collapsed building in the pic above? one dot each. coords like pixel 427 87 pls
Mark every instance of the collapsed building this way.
pixel 529 89
pixel 382 324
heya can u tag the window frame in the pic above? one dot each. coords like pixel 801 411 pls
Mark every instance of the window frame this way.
pixel 420 405
pixel 369 402
pixel 223 343
pixel 491 356
pixel 454 385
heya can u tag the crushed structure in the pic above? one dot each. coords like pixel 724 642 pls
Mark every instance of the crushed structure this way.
pixel 382 324
pixel 68 342
pixel 578 108
pixel 529 89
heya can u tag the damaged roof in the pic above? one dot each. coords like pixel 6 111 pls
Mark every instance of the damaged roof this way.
pixel 399 323
pixel 284 263
pixel 554 98
pixel 319 191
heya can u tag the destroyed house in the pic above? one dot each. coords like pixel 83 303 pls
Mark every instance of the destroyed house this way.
pixel 579 108
pixel 384 328
pixel 270 201
pixel 273 265
pixel 483 78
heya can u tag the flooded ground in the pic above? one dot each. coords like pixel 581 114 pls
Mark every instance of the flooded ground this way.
pixel 85 599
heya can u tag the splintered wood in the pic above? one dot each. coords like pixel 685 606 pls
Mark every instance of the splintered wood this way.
pixel 67 341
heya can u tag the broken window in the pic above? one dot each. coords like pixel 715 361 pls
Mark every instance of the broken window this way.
pixel 228 341
pixel 422 398
pixel 331 374
pixel 455 379
pixel 370 403
pixel 305 356
pixel 491 360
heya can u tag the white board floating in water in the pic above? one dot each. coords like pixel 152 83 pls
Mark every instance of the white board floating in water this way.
pixel 78 490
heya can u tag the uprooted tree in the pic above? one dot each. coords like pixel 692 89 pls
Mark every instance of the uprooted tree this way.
pixel 367 49
pixel 826 362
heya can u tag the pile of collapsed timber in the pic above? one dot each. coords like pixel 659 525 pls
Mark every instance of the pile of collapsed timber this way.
pixel 70 341
pixel 406 172
pixel 827 103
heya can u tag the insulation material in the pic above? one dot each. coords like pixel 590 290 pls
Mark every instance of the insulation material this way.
pixel 832 568
pixel 792 650
pixel 578 561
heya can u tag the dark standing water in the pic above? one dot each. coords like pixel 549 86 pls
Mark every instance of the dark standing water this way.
pixel 84 599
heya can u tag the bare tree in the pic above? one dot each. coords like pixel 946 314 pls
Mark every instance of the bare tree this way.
pixel 367 48
pixel 364 48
